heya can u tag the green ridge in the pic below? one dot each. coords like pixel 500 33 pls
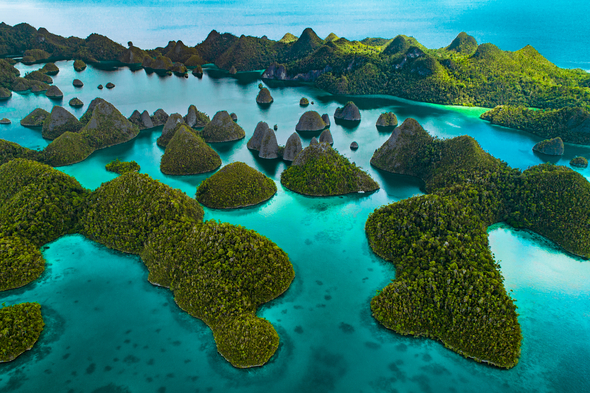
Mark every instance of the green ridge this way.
pixel 10 151
pixel 319 170
pixel 20 328
pixel 20 263
pixel 448 286
pixel 188 154
pixel 235 185
pixel 38 203
pixel 233 270
pixel 124 212
pixel 69 148
pixel 122 167
pixel 570 124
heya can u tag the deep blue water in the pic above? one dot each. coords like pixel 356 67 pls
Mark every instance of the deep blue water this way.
pixel 559 30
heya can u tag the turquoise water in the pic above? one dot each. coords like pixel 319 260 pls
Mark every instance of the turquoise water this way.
pixel 559 30
pixel 109 330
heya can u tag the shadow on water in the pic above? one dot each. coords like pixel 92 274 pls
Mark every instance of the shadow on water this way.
pixel 547 158
pixel 242 78
pixel 275 84
pixel 348 124
pixel 399 186
pixel 309 135
pixel 263 107
pixel 385 129
pixel 269 167
pixel 225 147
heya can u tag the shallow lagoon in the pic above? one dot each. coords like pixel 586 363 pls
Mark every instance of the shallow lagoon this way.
pixel 109 330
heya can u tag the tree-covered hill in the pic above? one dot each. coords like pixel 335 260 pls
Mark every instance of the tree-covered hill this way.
pixel 462 73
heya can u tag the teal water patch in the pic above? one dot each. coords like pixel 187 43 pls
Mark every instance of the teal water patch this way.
pixel 149 23
pixel 108 329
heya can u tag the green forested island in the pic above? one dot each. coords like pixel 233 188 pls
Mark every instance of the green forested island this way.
pixel 187 153
pixel 235 185
pixel 230 271
pixel 571 124
pixel 448 286
pixel 121 167
pixel 20 328
pixel 463 73
pixel 319 170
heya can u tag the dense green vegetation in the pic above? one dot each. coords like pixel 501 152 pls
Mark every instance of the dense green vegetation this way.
pixel 58 122
pixel 50 69
pixel 553 201
pixel 188 154
pixel 102 126
pixel 448 287
pixel 579 162
pixel 124 212
pixel 122 167
pixel 4 93
pixel 463 73
pixel 222 128
pixel 69 148
pixel 37 202
pixel 20 328
pixel 570 124
pixel 10 150
pixel 221 274
pixel 79 65
pixel 35 118
pixel 246 341
pixel 264 97
pixel 235 185
pixel 552 147
pixel 319 170
pixel 20 262
pixel 8 74
pixel 386 120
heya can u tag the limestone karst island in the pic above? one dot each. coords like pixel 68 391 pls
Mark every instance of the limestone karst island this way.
pixel 232 204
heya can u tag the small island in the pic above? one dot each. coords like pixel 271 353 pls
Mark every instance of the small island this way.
pixel 349 113
pixel 387 122
pixel 579 162
pixel 222 128
pixel 188 154
pixel 121 167
pixel 319 170
pixel 35 118
pixel 20 328
pixel 264 97
pixel 550 147
pixel 234 186
pixel 79 65
pixel 310 121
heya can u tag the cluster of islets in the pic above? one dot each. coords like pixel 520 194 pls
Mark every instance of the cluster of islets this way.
pixel 457 296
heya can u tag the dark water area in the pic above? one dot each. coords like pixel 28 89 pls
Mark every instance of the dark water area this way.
pixel 109 330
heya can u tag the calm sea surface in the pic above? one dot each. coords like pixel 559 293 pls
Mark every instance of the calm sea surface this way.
pixel 109 330
pixel 559 30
